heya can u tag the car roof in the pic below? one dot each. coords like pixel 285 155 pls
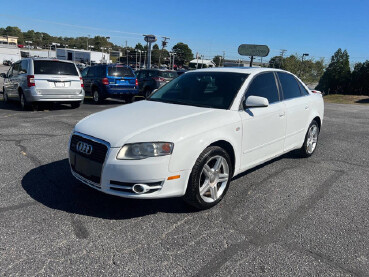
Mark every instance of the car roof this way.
pixel 50 59
pixel 248 70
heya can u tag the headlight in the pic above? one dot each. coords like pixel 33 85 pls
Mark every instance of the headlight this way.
pixel 138 151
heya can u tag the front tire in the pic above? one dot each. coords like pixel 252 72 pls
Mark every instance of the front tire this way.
pixel 209 179
pixel 311 140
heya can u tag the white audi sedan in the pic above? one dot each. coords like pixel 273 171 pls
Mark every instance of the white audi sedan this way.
pixel 190 137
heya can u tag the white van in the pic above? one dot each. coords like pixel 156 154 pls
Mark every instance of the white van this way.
pixel 32 80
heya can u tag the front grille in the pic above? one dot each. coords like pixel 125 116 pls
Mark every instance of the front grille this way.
pixel 98 153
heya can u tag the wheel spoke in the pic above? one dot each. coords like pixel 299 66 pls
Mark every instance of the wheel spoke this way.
pixel 315 140
pixel 205 187
pixel 207 171
pixel 214 192
pixel 218 163
pixel 223 177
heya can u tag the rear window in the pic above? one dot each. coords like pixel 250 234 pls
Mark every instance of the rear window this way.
pixel 168 74
pixel 118 71
pixel 55 68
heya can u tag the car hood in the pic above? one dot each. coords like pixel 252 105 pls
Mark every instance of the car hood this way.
pixel 146 121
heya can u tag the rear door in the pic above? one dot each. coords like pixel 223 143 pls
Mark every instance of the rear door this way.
pixel 121 77
pixel 53 77
pixel 297 110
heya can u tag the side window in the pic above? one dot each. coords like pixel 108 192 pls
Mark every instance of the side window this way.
pixel 102 71
pixel 84 72
pixel 23 67
pixel 303 89
pixel 91 72
pixel 290 87
pixel 264 85
pixel 138 75
pixel 16 69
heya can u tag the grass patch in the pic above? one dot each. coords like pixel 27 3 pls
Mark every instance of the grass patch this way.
pixel 346 99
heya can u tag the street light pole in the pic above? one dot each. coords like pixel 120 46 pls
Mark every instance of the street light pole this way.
pixel 302 62
pixel 136 59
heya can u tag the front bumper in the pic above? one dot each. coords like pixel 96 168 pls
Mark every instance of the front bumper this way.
pixel 119 176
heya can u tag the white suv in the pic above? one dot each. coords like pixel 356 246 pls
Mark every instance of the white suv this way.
pixel 195 133
pixel 31 81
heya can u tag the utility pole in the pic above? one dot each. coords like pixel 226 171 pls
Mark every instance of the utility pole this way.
pixel 282 53
pixel 163 44
pixel 223 57
pixel 302 62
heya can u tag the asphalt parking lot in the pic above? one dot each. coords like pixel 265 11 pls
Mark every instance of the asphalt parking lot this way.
pixel 288 217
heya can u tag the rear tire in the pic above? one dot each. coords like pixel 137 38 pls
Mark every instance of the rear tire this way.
pixel 75 105
pixel 96 96
pixel 311 140
pixel 209 179
pixel 147 92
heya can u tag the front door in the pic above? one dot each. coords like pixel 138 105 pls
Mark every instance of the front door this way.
pixel 263 128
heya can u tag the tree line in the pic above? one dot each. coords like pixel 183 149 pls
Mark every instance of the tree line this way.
pixel 44 40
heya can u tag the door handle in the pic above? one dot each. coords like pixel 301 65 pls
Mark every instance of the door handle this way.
pixel 281 114
pixel 306 107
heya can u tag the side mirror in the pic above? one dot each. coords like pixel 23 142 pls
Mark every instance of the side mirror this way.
pixel 3 75
pixel 256 101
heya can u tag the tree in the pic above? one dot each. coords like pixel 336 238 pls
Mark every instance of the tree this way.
pixel 308 70
pixel 183 53
pixel 139 47
pixel 155 46
pixel 337 76
pixel 275 62
pixel 360 79
pixel 217 60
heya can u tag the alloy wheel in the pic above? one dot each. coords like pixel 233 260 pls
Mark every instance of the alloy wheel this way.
pixel 312 139
pixel 213 179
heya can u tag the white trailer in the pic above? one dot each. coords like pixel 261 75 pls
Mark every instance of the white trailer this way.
pixel 82 56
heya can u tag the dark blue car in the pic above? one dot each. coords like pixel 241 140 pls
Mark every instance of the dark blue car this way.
pixel 110 81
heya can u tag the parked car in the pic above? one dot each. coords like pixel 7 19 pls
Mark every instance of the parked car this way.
pixel 113 81
pixel 7 62
pixel 194 134
pixel 181 71
pixel 31 81
pixel 151 79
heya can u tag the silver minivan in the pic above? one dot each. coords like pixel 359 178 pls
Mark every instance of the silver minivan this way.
pixel 35 80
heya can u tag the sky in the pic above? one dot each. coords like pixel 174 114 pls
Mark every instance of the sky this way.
pixel 208 27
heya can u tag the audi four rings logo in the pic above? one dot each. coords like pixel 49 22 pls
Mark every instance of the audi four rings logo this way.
pixel 84 148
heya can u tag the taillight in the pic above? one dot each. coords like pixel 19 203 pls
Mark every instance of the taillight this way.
pixel 30 81
pixel 136 83
pixel 105 81
pixel 82 85
pixel 160 79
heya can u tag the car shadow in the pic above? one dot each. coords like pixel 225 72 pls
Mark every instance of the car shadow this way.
pixel 15 106
pixel 54 186
pixel 363 101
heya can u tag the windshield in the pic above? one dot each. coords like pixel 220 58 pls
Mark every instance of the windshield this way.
pixel 168 74
pixel 120 71
pixel 203 89
pixel 55 68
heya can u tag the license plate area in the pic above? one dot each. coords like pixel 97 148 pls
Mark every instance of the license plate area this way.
pixel 91 170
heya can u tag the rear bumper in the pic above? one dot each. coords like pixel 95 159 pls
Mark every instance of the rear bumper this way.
pixel 32 95
pixel 119 92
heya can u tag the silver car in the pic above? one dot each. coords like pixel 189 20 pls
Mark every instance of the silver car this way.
pixel 32 80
